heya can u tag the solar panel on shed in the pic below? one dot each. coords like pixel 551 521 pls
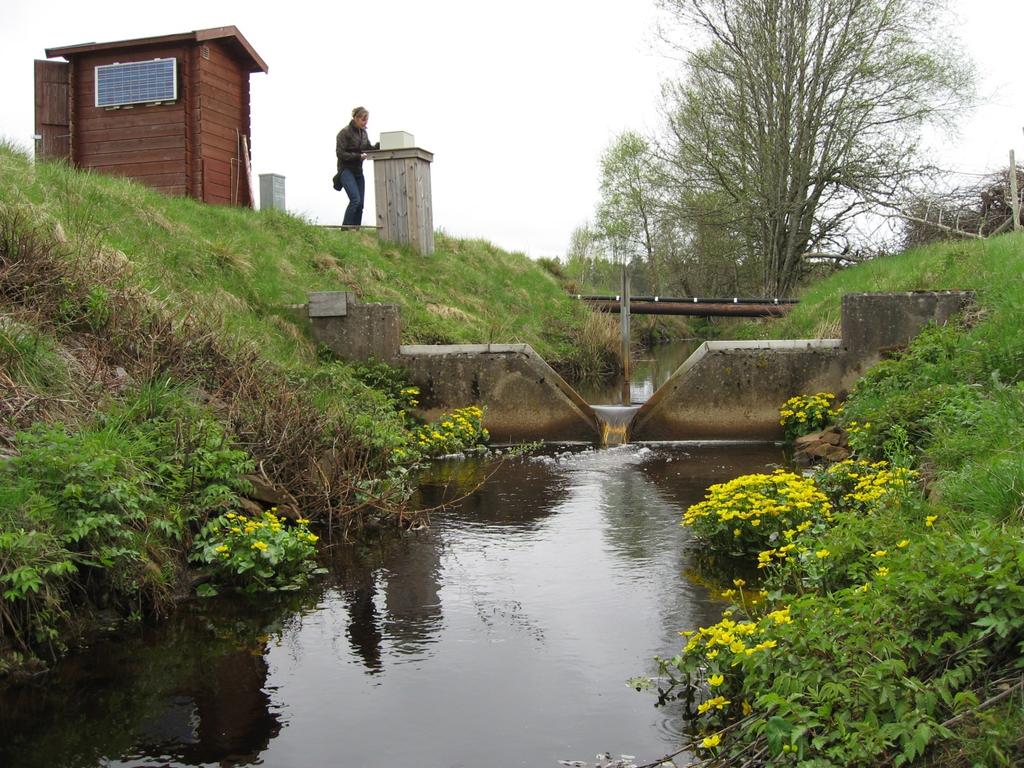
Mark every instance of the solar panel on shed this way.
pixel 136 82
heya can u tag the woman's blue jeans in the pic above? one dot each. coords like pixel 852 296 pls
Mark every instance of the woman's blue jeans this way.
pixel 355 187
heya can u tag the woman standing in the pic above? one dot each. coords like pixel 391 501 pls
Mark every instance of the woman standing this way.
pixel 352 145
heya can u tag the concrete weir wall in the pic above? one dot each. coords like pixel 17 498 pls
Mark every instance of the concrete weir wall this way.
pixel 525 398
pixel 725 390
pixel 733 389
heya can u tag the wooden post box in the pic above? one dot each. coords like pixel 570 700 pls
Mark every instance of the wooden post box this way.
pixel 404 210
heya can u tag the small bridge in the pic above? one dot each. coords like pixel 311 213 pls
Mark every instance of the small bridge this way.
pixel 693 306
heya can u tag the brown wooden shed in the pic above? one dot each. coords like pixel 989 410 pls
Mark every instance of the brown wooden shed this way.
pixel 171 111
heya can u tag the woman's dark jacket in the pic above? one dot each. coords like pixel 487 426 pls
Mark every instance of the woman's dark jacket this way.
pixel 352 142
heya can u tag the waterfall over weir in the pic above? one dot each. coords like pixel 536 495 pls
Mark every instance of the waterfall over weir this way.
pixel 614 421
pixel 616 402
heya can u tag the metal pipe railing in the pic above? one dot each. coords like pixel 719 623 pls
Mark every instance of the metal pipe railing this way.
pixel 687 299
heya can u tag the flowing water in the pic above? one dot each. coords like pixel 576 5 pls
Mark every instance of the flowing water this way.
pixel 502 635
pixel 615 402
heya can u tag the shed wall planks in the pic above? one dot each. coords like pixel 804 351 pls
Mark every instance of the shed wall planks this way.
pixel 145 142
pixel 222 101
pixel 192 146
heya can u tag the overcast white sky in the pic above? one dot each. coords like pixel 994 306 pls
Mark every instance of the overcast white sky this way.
pixel 517 100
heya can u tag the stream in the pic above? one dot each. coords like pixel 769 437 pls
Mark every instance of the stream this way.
pixel 502 635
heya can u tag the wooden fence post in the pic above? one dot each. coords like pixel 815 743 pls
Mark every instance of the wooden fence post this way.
pixel 1014 195
pixel 624 321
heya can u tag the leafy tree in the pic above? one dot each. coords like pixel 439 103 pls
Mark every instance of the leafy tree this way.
pixel 628 215
pixel 802 114
pixel 585 251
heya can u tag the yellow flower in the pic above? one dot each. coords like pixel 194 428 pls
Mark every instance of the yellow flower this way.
pixel 711 741
pixel 883 572
pixel 781 616
pixel 260 545
pixel 879 553
pixel 928 521
pixel 222 548
pixel 821 554
pixel 719 702
pixel 747 709
pixel 904 544
pixel 716 680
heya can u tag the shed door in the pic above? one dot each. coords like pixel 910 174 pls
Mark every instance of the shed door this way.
pixel 53 113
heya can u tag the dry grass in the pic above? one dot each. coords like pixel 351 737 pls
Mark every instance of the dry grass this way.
pixel 449 313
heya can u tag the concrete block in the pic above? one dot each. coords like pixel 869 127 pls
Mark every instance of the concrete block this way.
pixel 329 303
pixel 734 389
pixel 365 331
pixel 873 322
pixel 523 397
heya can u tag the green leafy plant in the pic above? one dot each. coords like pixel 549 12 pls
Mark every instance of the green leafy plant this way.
pixel 863 486
pixel 262 553
pixel 872 672
pixel 454 432
pixel 100 514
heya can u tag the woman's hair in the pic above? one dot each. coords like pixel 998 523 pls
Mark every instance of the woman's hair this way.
pixel 359 111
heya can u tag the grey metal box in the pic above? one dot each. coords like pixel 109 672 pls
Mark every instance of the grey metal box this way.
pixel 272 191
pixel 397 140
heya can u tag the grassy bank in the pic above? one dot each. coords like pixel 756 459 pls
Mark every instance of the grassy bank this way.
pixel 241 267
pixel 889 629
pixel 159 401
pixel 992 268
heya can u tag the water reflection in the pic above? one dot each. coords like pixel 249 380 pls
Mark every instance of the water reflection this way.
pixel 649 372
pixel 501 636
pixel 193 692
pixel 512 494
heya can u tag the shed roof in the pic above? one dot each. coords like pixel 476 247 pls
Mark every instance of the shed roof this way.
pixel 230 35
